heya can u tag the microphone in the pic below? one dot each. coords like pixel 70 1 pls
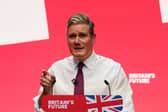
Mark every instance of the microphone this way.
pixel 107 83
pixel 74 81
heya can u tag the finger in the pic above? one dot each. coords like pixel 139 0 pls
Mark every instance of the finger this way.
pixel 53 82
pixel 44 72
pixel 44 84
pixel 45 79
pixel 53 79
pixel 48 76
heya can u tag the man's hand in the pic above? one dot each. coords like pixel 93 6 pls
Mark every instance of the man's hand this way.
pixel 47 82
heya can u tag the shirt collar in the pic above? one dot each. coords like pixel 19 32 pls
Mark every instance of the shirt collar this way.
pixel 89 62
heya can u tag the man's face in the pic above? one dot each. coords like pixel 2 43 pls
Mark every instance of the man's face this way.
pixel 80 42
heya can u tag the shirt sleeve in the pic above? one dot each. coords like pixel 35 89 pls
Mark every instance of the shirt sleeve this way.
pixel 122 87
pixel 36 100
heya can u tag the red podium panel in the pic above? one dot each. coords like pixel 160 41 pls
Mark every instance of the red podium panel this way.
pixel 82 103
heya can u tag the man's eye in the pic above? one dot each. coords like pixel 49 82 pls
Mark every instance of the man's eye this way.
pixel 82 35
pixel 72 36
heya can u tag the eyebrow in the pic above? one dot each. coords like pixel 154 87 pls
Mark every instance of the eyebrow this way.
pixel 79 34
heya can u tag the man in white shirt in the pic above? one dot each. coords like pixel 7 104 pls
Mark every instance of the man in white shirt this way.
pixel 96 70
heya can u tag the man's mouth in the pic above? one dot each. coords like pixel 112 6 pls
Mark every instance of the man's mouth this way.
pixel 78 48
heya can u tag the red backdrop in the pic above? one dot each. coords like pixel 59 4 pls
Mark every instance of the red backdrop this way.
pixel 128 31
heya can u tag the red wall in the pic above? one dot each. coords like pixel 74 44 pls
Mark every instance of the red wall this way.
pixel 128 31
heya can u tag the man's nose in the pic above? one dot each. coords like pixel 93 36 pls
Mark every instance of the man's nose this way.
pixel 77 39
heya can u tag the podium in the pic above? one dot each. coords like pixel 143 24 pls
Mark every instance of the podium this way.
pixel 82 103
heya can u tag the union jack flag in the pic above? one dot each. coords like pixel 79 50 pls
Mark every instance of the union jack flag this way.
pixel 104 103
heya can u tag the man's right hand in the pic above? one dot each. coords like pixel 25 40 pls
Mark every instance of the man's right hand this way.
pixel 47 82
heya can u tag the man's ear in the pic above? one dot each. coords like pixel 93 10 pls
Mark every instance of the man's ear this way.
pixel 94 38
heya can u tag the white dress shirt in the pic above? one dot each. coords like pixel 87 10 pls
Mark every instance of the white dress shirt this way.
pixel 97 69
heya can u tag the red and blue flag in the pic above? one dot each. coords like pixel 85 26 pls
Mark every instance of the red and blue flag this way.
pixel 104 103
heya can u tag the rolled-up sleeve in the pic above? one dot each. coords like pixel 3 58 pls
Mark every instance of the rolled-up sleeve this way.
pixel 36 100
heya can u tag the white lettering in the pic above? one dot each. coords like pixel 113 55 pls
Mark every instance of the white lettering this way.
pixel 141 78
pixel 59 104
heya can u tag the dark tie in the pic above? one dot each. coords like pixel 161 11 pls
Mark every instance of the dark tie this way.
pixel 79 86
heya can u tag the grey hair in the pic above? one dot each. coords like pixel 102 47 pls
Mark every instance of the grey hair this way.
pixel 81 18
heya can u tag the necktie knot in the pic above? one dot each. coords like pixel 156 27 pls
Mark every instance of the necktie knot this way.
pixel 80 65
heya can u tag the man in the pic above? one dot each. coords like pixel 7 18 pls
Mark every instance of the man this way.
pixel 100 75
